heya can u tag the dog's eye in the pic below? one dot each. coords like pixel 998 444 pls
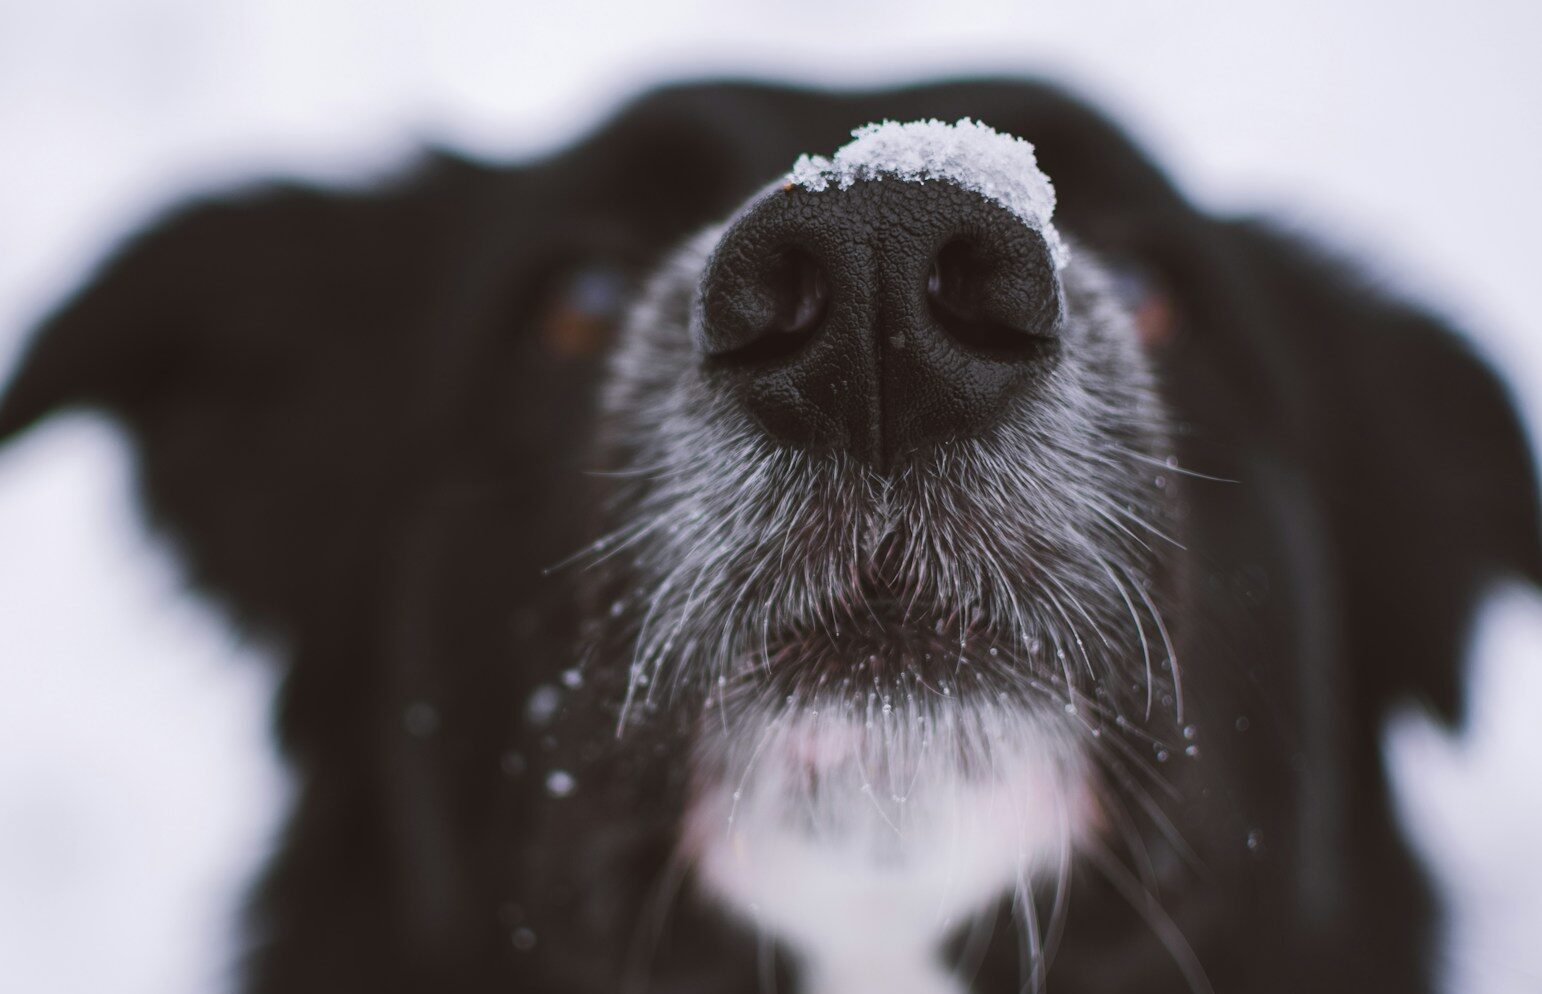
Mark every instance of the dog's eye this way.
pixel 582 308
pixel 1149 301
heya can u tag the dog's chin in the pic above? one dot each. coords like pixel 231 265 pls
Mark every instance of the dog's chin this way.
pixel 892 773
pixel 883 704
pixel 833 754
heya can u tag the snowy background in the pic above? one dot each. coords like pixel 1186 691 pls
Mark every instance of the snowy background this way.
pixel 137 785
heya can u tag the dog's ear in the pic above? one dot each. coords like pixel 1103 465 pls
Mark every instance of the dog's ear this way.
pixel 1428 477
pixel 257 350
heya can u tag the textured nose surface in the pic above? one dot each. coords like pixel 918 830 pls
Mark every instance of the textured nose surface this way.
pixel 879 318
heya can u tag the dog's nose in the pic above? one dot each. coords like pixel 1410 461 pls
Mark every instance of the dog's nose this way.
pixel 880 318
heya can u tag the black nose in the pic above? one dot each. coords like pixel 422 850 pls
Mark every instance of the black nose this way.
pixel 879 318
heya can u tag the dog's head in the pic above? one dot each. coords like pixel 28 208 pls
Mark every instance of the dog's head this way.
pixel 891 502
pixel 897 457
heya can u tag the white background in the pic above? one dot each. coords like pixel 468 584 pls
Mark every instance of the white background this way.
pixel 137 785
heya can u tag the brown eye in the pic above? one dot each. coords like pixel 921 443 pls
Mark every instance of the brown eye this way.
pixel 583 309
pixel 1149 301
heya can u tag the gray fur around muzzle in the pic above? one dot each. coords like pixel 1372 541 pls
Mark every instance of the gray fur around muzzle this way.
pixel 883 430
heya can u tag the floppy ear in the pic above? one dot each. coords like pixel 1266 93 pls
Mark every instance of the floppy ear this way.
pixel 1430 485
pixel 258 349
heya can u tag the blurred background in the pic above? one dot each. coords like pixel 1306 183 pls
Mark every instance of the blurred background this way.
pixel 138 788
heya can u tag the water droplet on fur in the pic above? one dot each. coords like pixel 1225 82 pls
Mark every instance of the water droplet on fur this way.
pixel 572 677
pixel 1189 732
pixel 542 704
pixel 1161 756
pixel 1192 750
pixel 1070 708
pixel 1242 723
pixel 616 607
pixel 1255 841
pixel 421 719
pixel 1161 482
pixel 995 651
pixel 560 783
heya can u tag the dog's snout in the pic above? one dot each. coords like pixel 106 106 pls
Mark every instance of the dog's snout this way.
pixel 878 318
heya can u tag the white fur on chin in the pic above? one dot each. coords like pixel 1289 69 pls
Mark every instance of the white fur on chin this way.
pixel 862 837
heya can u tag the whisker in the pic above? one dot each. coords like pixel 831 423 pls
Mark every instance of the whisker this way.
pixel 1145 904
pixel 1171 466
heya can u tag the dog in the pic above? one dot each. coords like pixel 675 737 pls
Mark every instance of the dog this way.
pixel 700 568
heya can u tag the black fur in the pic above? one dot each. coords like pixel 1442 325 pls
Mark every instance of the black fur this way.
pixel 364 418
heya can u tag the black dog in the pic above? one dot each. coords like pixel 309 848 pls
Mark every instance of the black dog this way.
pixel 953 609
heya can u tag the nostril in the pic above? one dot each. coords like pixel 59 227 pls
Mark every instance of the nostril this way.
pixel 984 308
pixel 797 291
pixel 801 292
